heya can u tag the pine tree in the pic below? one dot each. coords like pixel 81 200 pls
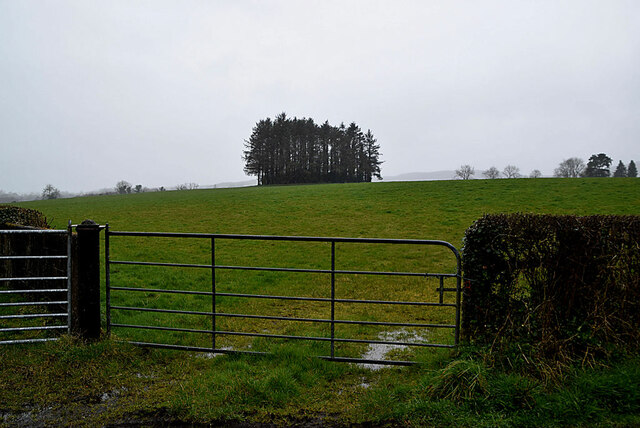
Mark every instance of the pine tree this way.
pixel 324 142
pixel 256 151
pixel 632 171
pixel 621 170
pixel 373 154
pixel 285 150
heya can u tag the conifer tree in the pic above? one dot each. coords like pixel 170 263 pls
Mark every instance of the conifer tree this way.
pixel 632 171
pixel 286 150
pixel 621 170
pixel 373 152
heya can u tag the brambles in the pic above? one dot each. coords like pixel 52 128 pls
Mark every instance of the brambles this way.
pixel 567 285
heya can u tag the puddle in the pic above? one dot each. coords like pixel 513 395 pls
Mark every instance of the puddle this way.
pixel 209 355
pixel 113 395
pixel 379 352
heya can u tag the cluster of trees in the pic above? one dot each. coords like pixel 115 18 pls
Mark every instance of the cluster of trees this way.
pixel 623 171
pixel 283 151
pixel 597 166
pixel 466 172
pixel 187 186
pixel 123 187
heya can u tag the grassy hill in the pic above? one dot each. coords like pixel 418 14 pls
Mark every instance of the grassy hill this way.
pixel 420 210
pixel 461 388
pixel 439 210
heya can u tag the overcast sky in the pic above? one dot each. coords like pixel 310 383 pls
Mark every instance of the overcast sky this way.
pixel 160 93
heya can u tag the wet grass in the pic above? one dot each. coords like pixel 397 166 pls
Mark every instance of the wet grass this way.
pixel 69 383
pixel 113 382
pixel 415 210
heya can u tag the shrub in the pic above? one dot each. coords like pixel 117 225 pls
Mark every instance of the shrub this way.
pixel 564 284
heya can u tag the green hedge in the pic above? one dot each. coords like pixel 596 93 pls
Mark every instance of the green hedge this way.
pixel 15 217
pixel 564 284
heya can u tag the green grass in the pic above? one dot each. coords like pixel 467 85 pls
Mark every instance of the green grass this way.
pixel 68 383
pixel 440 209
pixel 292 386
pixel 415 210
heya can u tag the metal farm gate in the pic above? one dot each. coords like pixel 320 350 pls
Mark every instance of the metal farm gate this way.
pixel 211 290
pixel 34 300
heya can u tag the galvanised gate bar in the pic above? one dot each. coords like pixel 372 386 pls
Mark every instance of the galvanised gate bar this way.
pixel 26 297
pixel 331 301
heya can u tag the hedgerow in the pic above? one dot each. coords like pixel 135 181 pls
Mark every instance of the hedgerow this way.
pixel 12 217
pixel 563 285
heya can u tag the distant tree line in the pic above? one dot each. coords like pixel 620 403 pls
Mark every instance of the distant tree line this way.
pixel 597 166
pixel 284 150
pixel 466 172
pixel 123 187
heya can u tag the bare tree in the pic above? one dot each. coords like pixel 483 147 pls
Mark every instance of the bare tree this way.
pixel 50 192
pixel 187 186
pixel 123 187
pixel 491 173
pixel 465 172
pixel 535 174
pixel 570 168
pixel 511 171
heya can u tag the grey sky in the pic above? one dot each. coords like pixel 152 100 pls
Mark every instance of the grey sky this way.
pixel 165 92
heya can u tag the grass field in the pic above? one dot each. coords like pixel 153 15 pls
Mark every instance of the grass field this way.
pixel 413 210
pixel 419 210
